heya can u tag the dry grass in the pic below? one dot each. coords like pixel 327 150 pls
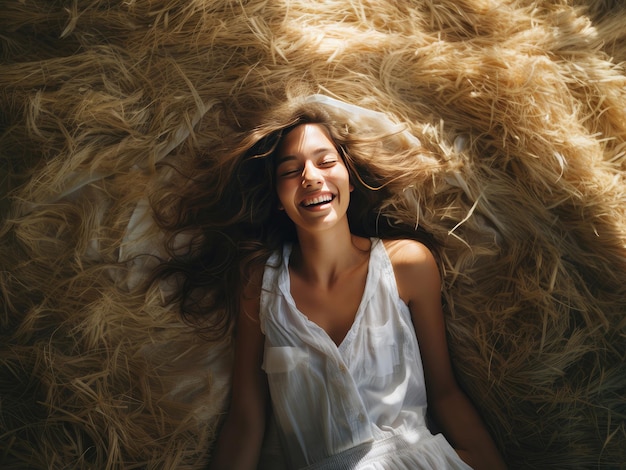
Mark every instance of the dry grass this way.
pixel 530 204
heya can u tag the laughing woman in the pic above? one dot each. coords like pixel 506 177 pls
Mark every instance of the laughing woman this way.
pixel 338 318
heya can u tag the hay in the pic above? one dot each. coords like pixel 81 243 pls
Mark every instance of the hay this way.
pixel 523 101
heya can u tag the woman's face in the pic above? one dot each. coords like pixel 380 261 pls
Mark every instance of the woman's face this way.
pixel 312 181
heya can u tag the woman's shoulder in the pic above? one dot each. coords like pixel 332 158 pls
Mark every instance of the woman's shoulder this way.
pixel 407 251
pixel 414 267
pixel 252 282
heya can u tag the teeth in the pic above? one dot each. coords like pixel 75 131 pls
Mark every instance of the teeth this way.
pixel 317 200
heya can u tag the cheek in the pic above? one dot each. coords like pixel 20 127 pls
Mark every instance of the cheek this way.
pixel 283 192
pixel 344 177
pixel 279 199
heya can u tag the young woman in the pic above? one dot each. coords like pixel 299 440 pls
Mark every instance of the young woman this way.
pixel 340 334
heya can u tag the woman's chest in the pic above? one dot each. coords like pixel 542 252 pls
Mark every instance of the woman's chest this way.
pixel 333 308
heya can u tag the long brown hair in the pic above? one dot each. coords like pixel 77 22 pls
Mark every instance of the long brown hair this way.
pixel 236 230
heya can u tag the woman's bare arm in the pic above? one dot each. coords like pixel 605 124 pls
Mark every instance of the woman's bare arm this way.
pixel 239 443
pixel 420 286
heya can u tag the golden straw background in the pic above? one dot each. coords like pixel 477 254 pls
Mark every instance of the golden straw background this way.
pixel 523 102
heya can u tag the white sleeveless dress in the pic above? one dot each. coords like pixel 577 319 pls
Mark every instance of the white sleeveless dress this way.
pixel 362 404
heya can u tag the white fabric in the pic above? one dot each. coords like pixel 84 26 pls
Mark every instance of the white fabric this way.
pixel 366 120
pixel 369 122
pixel 360 405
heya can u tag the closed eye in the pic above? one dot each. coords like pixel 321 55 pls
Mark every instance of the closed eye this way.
pixel 290 172
pixel 287 168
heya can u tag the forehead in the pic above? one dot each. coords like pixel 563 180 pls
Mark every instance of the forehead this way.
pixel 305 137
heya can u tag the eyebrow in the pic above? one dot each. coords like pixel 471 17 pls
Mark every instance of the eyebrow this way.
pixel 319 151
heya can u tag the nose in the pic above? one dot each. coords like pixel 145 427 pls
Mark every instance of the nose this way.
pixel 311 175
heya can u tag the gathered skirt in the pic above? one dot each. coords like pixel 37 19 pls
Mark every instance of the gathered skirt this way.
pixel 400 452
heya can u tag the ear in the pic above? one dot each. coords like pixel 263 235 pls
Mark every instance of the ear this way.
pixel 351 187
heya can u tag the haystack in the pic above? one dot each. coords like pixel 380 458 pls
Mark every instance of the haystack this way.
pixel 522 101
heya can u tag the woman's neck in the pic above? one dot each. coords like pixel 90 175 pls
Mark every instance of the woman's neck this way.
pixel 323 257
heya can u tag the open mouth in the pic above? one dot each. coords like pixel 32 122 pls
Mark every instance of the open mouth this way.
pixel 318 200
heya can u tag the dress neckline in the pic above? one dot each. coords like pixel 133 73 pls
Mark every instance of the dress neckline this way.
pixel 285 286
